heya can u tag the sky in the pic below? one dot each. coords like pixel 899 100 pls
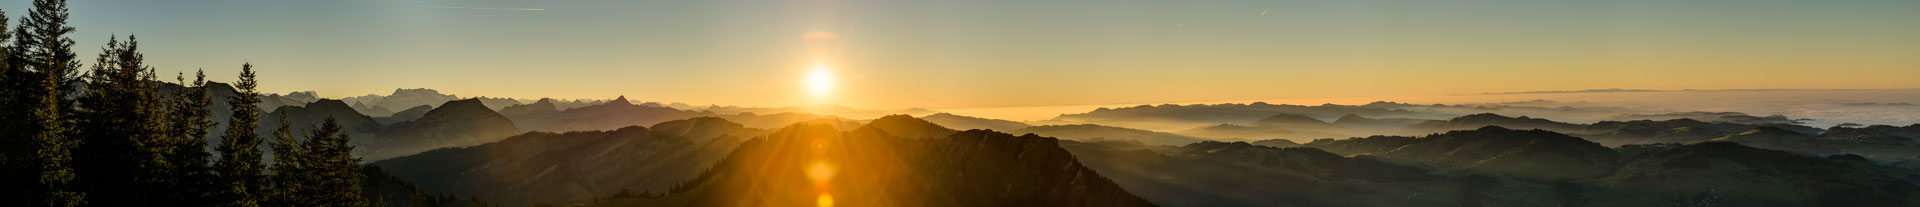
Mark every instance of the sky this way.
pixel 1014 53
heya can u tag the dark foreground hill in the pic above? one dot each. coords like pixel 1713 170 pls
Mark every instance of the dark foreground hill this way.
pixel 817 165
pixel 1494 166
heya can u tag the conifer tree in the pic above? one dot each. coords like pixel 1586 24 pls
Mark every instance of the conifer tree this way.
pixel 39 69
pixel 15 167
pixel 188 122
pixel 241 181
pixel 290 173
pixel 120 159
pixel 331 169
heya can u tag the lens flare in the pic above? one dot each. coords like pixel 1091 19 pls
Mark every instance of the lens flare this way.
pixel 825 200
pixel 820 172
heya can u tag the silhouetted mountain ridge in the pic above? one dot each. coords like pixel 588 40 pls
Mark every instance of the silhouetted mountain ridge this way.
pixel 870 168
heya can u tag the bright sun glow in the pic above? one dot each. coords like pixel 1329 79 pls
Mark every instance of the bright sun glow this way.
pixel 820 81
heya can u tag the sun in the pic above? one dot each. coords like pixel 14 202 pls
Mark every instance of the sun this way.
pixel 820 81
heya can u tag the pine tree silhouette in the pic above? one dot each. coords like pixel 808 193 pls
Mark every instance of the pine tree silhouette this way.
pixel 334 170
pixel 188 123
pixel 120 157
pixel 39 71
pixel 242 182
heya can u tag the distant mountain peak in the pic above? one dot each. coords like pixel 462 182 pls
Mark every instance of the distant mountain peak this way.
pixel 421 91
pixel 329 105
pixel 463 103
pixel 544 105
pixel 622 100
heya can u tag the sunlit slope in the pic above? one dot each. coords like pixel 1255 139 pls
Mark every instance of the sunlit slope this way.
pixel 816 165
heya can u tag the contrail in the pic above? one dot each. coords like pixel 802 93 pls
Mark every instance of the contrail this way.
pixel 1264 12
pixel 485 8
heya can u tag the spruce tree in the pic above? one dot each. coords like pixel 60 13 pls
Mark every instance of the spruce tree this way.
pixel 15 168
pixel 188 115
pixel 38 74
pixel 324 171
pixel 290 173
pixel 242 182
pixel 336 171
pixel 120 159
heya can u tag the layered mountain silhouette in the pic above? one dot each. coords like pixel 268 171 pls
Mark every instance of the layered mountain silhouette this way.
pixel 827 110
pixel 575 167
pixel 1493 150
pixel 305 118
pixel 695 162
pixel 1875 133
pixel 1277 126
pixel 1879 143
pixel 777 120
pixel 1242 174
pixel 547 115
pixel 1730 174
pixel 968 122
pixel 219 92
pixel 1728 117
pixel 426 147
pixel 1675 130
pixel 454 124
pixel 405 115
pixel 1090 131
pixel 615 114
pixel 1476 121
pixel 1357 123
pixel 1494 166
pixel 813 164
pixel 1611 133
pixel 542 106
pixel 1171 117
pixel 407 98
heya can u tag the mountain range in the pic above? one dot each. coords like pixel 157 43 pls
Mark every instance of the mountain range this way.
pixel 1381 154
pixel 711 161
